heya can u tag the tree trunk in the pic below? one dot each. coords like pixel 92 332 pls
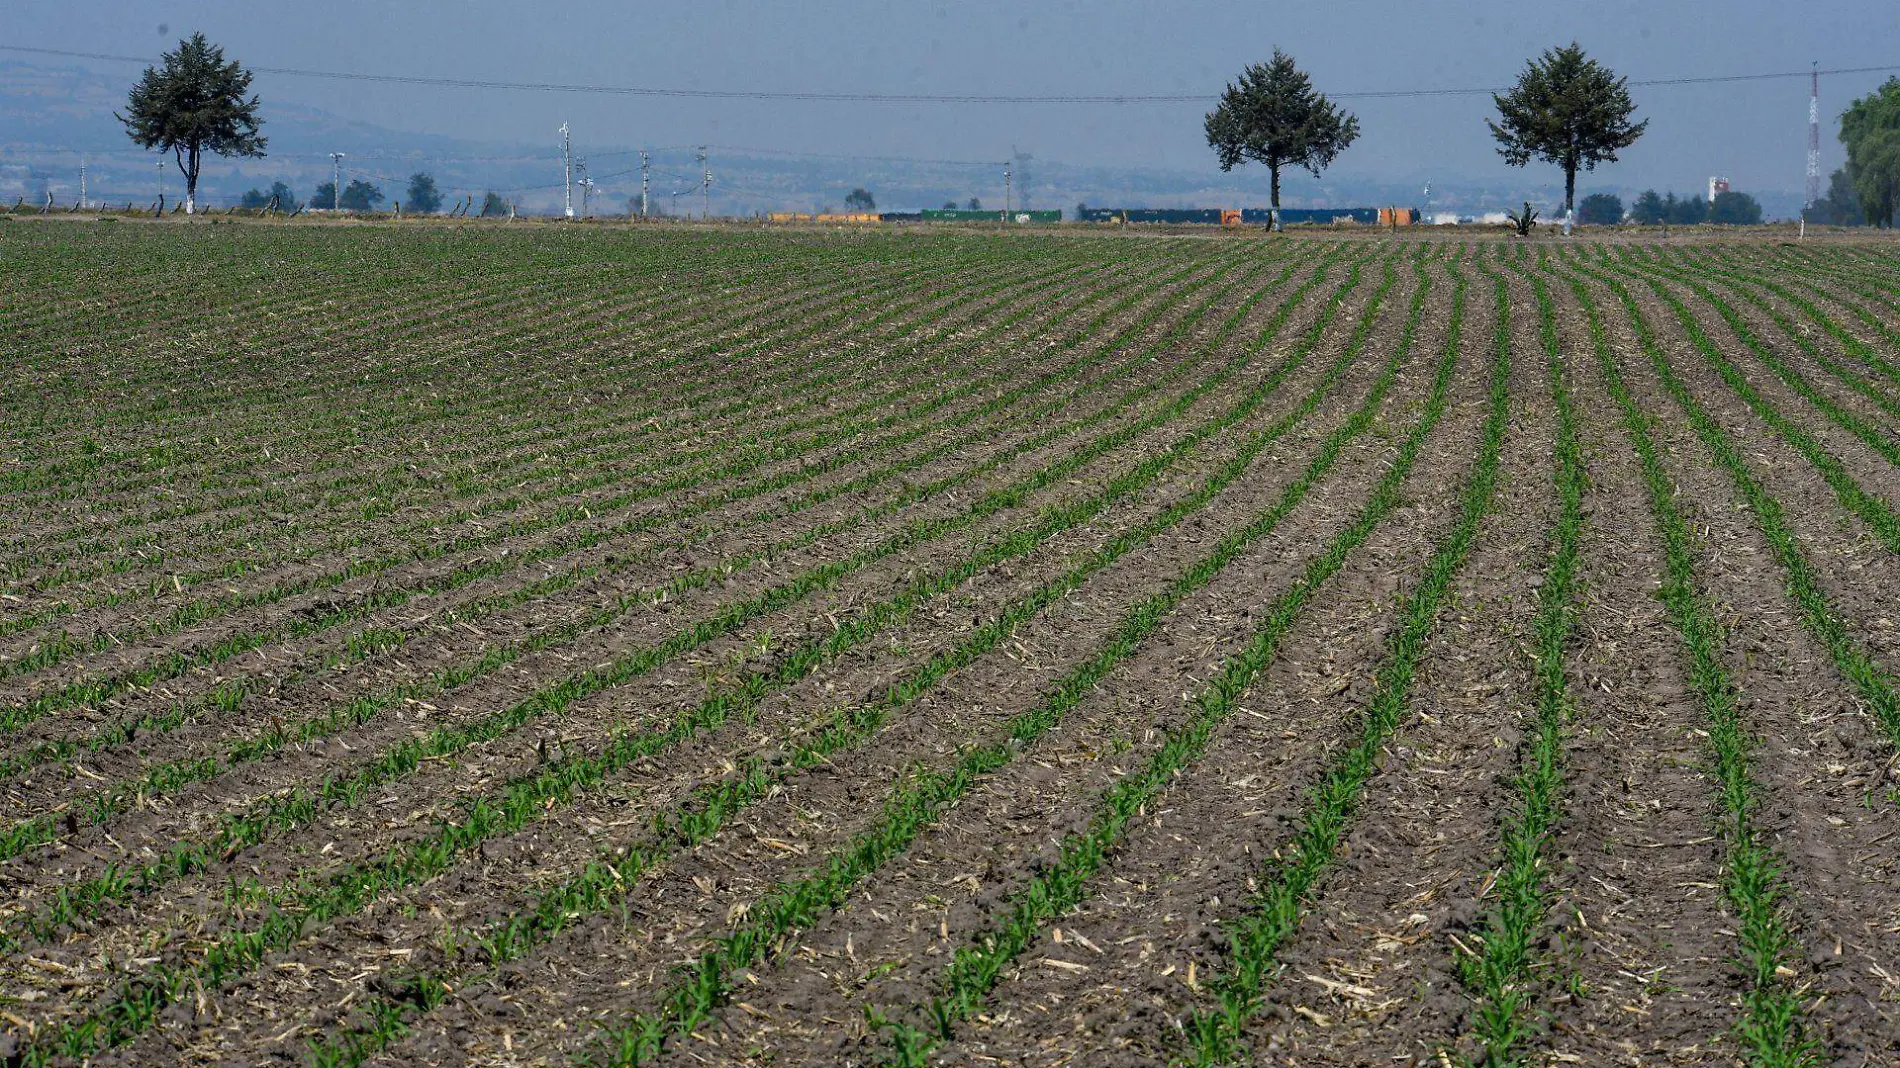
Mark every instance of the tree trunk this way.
pixel 1275 168
pixel 1570 187
pixel 188 165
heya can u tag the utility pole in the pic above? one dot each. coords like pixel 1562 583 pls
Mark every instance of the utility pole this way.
pixel 1814 139
pixel 643 183
pixel 586 184
pixel 161 183
pixel 336 181
pixel 567 171
pixel 1005 192
pixel 705 186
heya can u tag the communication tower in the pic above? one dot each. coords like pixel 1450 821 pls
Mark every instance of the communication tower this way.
pixel 1814 137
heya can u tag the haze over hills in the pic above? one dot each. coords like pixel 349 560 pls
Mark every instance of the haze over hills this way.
pixel 52 115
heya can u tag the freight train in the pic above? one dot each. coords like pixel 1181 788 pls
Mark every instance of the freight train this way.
pixel 1254 216
pixel 1129 216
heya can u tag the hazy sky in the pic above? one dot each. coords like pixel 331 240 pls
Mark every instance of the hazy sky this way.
pixel 1754 132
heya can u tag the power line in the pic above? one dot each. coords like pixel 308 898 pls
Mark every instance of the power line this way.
pixel 910 98
pixel 407 159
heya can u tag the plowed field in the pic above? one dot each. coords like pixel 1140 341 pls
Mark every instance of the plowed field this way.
pixel 501 647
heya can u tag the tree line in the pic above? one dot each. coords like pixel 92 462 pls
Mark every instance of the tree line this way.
pixel 1566 109
pixel 1651 208
pixel 421 197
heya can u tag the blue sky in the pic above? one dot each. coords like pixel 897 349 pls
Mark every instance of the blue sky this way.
pixel 1754 132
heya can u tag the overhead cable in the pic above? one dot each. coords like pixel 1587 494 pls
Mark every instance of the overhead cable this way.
pixel 905 98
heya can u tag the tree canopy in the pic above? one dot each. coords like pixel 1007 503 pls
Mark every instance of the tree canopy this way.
pixel 1690 210
pixel 1878 110
pixel 1566 109
pixel 194 103
pixel 1877 177
pixel 493 204
pixel 1273 116
pixel 1654 209
pixel 258 199
pixel 361 196
pixel 1649 209
pixel 1734 209
pixel 1870 130
pixel 1841 205
pixel 860 199
pixel 357 196
pixel 1600 209
pixel 422 196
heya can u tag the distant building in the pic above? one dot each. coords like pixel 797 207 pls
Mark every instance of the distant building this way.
pixel 1717 186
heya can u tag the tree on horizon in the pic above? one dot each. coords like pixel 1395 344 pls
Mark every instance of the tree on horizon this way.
pixel 1274 117
pixel 194 103
pixel 1566 109
pixel 423 197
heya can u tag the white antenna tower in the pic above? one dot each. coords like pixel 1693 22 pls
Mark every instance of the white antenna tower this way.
pixel 643 183
pixel 1814 137
pixel 336 181
pixel 567 171
pixel 586 184
pixel 82 183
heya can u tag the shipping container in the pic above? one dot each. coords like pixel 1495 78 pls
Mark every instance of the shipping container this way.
pixel 823 217
pixel 997 216
pixel 1170 216
pixel 1247 216
pixel 1312 216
